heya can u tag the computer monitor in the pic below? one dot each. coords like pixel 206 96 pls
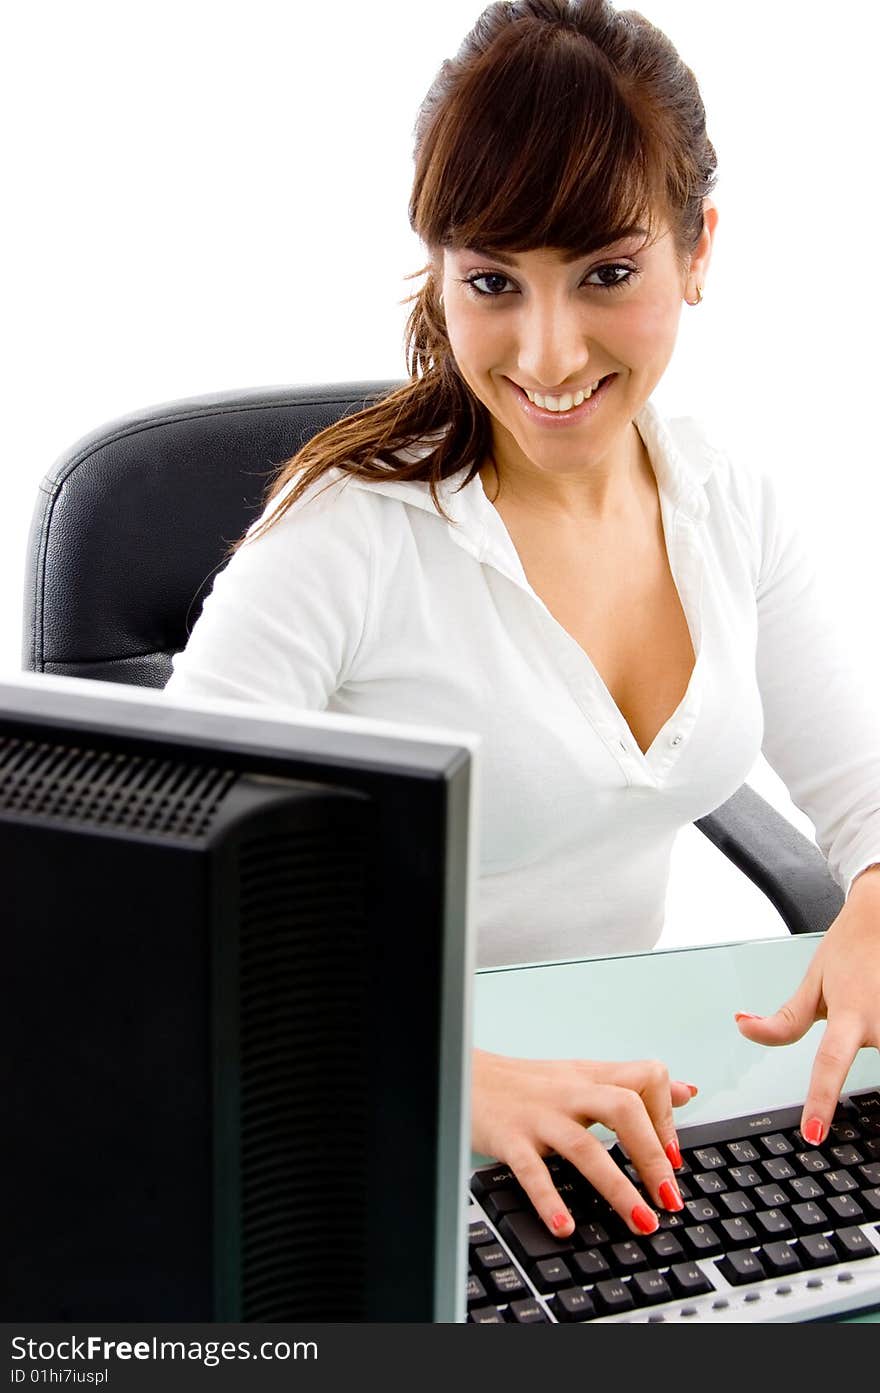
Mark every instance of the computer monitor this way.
pixel 234 1010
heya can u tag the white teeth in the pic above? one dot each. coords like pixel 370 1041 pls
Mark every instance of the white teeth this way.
pixel 564 403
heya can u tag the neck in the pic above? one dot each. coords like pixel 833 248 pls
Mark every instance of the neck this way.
pixel 598 495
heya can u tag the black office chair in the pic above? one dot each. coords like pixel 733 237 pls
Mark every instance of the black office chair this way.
pixel 133 521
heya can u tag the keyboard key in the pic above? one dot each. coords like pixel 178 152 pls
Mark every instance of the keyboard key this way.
pixel 572 1196
pixel 773 1222
pixel 744 1176
pixel 479 1233
pixel 738 1230
pixel 778 1168
pixel 812 1161
pixel 493 1178
pixel 651 1287
pixel 702 1239
pixel 841 1182
pixel 816 1251
pixel 871 1148
pixel 612 1296
pixel 491 1255
pixel 707 1158
pixel 736 1202
pixel 628 1256
pixel 776 1144
pixel 549 1274
pixel 772 1196
pixel 507 1282
pixel 591 1235
pixel 845 1207
pixel 476 1292
pixel 779 1259
pixel 710 1182
pixel 846 1155
pixel 486 1315
pixel 573 1303
pixel 741 1266
pixel 686 1279
pixel 530 1238
pixel 527 1312
pixel 852 1243
pixel 869 1124
pixel 665 1247
pixel 668 1220
pixel 499 1202
pixel 742 1151
pixel 871 1172
pixel 589 1265
pixel 807 1187
pixel 810 1217
pixel 701 1211
pixel 871 1200
pixel 843 1131
pixel 867 1102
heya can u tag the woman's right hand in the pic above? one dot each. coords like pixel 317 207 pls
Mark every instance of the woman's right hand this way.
pixel 524 1109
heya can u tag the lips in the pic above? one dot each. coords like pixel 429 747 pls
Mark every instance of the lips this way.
pixel 561 419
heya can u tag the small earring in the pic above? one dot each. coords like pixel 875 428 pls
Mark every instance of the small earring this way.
pixel 441 299
pixel 699 299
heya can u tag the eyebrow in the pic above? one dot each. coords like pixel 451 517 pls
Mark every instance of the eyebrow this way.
pixel 567 257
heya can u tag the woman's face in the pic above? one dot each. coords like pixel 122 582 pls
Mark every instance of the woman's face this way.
pixel 534 323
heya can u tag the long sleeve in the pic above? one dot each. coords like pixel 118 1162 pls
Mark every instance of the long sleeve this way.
pixel 285 617
pixel 821 728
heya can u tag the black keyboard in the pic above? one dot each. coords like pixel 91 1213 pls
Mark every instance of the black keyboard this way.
pixel 773 1229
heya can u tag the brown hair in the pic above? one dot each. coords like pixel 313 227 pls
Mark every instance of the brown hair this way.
pixel 559 123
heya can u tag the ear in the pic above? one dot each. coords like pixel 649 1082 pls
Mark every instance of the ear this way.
pixel 702 253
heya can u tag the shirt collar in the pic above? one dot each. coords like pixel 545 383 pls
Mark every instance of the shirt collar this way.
pixel 681 456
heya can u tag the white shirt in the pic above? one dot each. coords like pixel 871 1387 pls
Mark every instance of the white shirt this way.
pixel 362 599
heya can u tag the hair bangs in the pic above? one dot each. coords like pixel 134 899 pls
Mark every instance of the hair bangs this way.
pixel 540 149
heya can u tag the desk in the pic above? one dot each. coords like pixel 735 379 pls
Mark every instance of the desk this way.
pixel 677 1006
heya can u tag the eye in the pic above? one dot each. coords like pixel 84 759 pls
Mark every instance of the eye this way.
pixel 495 276
pixel 613 275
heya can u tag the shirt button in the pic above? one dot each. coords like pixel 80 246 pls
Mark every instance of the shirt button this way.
pixel 676 739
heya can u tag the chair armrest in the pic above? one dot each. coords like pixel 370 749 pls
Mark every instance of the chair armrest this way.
pixel 789 869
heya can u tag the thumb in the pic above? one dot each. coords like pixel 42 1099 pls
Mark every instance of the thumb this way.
pixel 789 1023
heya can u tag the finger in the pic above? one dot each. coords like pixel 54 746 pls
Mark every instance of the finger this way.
pixel 651 1150
pixel 536 1180
pixel 791 1022
pixel 841 1041
pixel 592 1159
pixel 649 1078
pixel 682 1093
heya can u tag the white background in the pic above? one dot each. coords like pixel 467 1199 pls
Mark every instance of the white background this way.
pixel 210 196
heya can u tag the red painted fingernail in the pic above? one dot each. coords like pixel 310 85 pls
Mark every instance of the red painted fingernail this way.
pixel 644 1220
pixel 693 1089
pixel 814 1131
pixel 560 1221
pixel 669 1196
pixel 674 1154
pixel 747 1016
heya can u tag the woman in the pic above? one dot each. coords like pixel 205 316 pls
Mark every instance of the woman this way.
pixel 515 543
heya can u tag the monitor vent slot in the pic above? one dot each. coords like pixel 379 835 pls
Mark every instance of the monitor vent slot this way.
pixel 124 790
pixel 303 1076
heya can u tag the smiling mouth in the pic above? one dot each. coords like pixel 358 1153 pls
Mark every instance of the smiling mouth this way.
pixel 568 401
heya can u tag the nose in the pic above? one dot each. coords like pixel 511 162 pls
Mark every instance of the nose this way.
pixel 553 350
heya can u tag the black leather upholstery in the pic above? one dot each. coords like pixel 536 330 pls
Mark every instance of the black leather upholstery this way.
pixel 133 521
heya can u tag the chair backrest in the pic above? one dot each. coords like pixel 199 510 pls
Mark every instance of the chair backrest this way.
pixel 133 521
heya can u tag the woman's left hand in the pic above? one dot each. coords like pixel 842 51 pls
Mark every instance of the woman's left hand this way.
pixel 842 986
